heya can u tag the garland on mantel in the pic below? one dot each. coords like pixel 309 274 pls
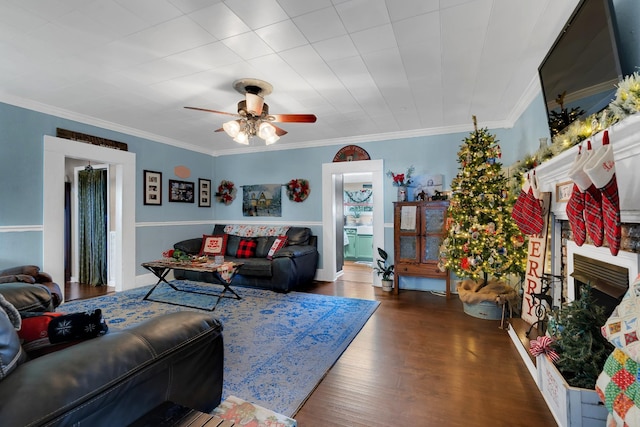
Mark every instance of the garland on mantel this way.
pixel 626 103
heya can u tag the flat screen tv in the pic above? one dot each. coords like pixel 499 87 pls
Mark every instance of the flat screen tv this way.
pixel 579 73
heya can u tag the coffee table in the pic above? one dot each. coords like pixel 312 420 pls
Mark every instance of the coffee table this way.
pixel 224 273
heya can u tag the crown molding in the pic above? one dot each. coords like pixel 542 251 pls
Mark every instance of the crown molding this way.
pixel 89 120
pixel 416 133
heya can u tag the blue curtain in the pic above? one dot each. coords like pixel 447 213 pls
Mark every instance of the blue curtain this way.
pixel 92 211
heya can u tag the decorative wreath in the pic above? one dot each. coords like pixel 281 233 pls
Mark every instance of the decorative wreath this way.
pixel 226 192
pixel 298 190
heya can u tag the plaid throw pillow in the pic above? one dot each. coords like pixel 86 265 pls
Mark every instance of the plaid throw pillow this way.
pixel 246 248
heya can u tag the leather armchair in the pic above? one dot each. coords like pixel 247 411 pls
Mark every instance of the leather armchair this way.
pixel 30 289
pixel 115 379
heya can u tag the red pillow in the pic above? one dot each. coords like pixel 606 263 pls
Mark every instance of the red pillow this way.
pixel 246 248
pixel 277 244
pixel 213 245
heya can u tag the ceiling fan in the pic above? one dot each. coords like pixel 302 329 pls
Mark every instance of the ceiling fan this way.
pixel 253 116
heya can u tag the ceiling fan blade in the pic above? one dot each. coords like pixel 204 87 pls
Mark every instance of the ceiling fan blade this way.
pixel 294 118
pixel 279 131
pixel 212 111
pixel 219 130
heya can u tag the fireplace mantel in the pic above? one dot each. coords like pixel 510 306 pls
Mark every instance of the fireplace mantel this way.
pixel 625 140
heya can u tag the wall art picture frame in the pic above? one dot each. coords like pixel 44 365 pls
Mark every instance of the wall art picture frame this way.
pixel 181 191
pixel 204 193
pixel 152 188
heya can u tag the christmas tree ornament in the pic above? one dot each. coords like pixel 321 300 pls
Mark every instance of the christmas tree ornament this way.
pixel 602 172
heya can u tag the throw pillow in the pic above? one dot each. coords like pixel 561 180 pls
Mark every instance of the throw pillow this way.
pixel 232 244
pixel 280 242
pixel 40 330
pixel 246 248
pixel 264 244
pixel 213 245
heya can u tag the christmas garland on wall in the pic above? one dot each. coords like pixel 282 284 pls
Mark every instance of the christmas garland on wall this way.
pixel 298 190
pixel 226 192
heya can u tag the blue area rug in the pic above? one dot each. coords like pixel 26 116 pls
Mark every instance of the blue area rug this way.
pixel 277 346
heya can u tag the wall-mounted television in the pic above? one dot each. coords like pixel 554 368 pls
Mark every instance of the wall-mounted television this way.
pixel 579 73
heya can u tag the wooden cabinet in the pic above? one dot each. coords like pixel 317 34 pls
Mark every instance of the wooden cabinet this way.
pixel 419 228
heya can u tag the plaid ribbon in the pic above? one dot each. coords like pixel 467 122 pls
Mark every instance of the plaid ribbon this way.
pixel 542 345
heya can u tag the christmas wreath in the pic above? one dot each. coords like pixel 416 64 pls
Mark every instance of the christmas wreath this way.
pixel 298 190
pixel 226 192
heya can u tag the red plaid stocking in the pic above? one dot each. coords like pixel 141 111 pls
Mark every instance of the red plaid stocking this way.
pixel 602 172
pixel 527 212
pixel 575 205
pixel 592 198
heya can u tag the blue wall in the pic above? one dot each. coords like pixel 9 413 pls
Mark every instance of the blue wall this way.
pixel 158 227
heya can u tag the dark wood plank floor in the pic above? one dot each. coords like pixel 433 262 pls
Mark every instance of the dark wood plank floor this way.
pixel 420 361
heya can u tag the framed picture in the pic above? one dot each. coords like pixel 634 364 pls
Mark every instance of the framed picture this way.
pixel 563 191
pixel 181 191
pixel 152 188
pixel 204 193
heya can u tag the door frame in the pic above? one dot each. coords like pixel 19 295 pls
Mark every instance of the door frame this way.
pixel 329 171
pixel 124 166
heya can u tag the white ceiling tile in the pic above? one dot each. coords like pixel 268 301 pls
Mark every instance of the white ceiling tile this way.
pixel 112 15
pixel 257 13
pixel 248 45
pixel 189 6
pixel 375 39
pixel 399 10
pixel 320 25
pixel 153 12
pixel 170 37
pixel 220 21
pixel 358 15
pixel 282 36
pixel 212 55
pixel 336 48
pixel 297 7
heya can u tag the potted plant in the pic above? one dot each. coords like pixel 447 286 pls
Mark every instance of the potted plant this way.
pixel 384 270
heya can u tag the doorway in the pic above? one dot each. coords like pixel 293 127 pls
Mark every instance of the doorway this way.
pixel 357 220
pixel 332 218
pixel 123 166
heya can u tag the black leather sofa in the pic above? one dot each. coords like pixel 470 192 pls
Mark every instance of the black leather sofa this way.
pixel 292 267
pixel 30 289
pixel 115 379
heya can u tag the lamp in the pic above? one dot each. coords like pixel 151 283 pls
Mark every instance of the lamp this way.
pixel 244 129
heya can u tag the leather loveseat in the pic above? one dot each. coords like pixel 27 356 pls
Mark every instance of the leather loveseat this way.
pixel 291 267
pixel 115 379
pixel 30 289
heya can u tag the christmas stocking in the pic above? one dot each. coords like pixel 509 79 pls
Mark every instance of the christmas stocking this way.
pixel 535 206
pixel 575 205
pixel 592 201
pixel 602 172
pixel 524 210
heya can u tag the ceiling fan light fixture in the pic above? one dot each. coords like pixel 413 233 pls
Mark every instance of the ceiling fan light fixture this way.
pixel 271 139
pixel 232 128
pixel 242 138
pixel 266 130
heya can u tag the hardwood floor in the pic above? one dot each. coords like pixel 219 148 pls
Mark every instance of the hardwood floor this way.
pixel 420 361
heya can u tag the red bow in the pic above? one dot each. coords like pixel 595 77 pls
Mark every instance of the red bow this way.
pixel 542 345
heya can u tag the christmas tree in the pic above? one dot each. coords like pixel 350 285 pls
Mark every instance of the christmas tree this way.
pixel 583 350
pixel 482 239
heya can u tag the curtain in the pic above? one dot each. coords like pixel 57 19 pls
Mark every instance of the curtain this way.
pixel 92 211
